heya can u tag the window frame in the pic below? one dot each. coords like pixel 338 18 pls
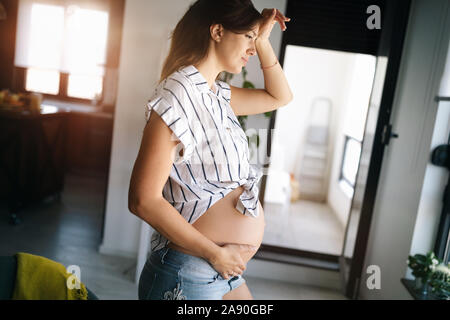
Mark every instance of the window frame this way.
pixel 62 91
pixel 115 25
pixel 347 138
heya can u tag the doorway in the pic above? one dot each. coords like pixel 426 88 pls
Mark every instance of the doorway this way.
pixel 316 145
pixel 323 172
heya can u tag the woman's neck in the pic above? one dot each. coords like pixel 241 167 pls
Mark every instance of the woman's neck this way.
pixel 209 70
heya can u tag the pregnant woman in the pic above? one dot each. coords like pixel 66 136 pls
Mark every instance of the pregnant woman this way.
pixel 192 180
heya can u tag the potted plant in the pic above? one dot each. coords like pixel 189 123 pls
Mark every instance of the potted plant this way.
pixel 226 76
pixel 422 267
pixel 440 282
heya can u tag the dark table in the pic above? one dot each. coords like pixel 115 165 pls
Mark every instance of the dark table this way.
pixel 32 156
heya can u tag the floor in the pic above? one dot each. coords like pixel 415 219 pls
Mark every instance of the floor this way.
pixel 307 225
pixel 69 232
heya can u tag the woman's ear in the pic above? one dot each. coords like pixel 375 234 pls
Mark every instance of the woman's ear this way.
pixel 216 31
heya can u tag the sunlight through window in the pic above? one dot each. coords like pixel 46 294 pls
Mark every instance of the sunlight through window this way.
pixel 46 36
pixel 44 81
pixel 86 51
pixel 45 44
pixel 63 39
pixel 86 87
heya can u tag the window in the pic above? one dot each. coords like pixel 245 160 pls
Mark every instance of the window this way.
pixel 350 160
pixel 42 80
pixel 62 47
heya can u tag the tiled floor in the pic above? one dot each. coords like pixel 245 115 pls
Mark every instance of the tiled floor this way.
pixel 307 225
pixel 69 232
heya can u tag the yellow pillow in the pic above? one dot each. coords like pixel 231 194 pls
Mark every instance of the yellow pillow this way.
pixel 39 278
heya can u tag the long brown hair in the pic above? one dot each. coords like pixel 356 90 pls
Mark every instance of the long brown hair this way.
pixel 190 39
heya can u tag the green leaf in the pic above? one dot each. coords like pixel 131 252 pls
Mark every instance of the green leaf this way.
pixel 226 77
pixel 242 121
pixel 248 84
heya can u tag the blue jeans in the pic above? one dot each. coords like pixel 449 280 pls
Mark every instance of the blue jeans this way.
pixel 169 274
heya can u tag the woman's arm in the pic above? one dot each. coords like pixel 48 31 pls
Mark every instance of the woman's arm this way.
pixel 275 81
pixel 276 92
pixel 145 200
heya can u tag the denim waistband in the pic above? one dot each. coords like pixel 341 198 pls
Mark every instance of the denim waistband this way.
pixel 177 258
pixel 186 262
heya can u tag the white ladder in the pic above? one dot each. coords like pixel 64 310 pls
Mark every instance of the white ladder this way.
pixel 312 174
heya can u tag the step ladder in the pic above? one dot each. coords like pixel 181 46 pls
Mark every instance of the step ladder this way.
pixel 313 166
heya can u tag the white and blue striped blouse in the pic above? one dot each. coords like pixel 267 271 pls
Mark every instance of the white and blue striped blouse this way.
pixel 215 154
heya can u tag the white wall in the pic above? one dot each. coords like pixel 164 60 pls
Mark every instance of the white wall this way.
pixel 144 30
pixel 352 121
pixel 397 217
pixel 146 23
pixel 436 178
pixel 312 73
pixel 434 183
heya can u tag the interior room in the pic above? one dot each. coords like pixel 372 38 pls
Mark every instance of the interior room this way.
pixel 316 205
pixel 355 167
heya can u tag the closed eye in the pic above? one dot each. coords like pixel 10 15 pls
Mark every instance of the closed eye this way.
pixel 250 37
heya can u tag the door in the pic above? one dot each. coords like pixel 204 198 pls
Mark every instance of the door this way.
pixel 326 25
pixel 376 136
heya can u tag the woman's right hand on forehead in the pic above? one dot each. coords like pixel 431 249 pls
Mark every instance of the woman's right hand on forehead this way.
pixel 270 17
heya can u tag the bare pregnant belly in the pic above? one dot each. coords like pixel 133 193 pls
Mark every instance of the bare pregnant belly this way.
pixel 223 224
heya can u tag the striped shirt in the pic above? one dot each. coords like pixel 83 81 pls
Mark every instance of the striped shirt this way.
pixel 215 154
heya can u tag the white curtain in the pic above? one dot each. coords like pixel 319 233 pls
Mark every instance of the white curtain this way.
pixel 68 36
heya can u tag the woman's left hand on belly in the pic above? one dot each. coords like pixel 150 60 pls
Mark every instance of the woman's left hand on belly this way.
pixel 246 255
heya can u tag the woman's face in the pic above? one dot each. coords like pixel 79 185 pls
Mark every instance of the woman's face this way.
pixel 234 49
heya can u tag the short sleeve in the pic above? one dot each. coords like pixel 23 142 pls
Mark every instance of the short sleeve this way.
pixel 176 120
pixel 225 89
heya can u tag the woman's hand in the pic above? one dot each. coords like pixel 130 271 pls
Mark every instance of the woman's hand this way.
pixel 228 262
pixel 271 16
